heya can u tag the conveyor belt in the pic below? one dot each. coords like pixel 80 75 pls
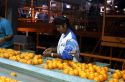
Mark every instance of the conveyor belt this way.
pixel 38 73
pixel 20 77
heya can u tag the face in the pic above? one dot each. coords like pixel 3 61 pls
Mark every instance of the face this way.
pixel 61 28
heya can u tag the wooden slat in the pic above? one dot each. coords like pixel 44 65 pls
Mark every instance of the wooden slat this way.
pixel 25 29
pixel 24 19
pixel 113 39
pixel 116 16
pixel 40 47
pixel 102 57
pixel 119 45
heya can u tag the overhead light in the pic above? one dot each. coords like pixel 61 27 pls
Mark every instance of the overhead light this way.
pixel 109 1
pixel 124 9
pixel 116 6
pixel 68 6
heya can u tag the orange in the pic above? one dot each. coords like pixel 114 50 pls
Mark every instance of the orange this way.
pixel 91 76
pixel 35 61
pixel 106 68
pixel 50 66
pixel 69 62
pixel 119 74
pixel 83 64
pixel 14 57
pixel 71 72
pixel 74 66
pixel 98 70
pixel 18 58
pixel 105 76
pixel 31 55
pixel 97 79
pixel 87 71
pixel 21 56
pixel 91 69
pixel 13 74
pixel 36 57
pixel 10 58
pixel 46 66
pixel 65 66
pixel 7 80
pixel 29 62
pixel 13 81
pixel 116 76
pixel 39 56
pixel 40 61
pixel 115 80
pixel 117 71
pixel 83 75
pixel 1 56
pixel 101 78
pixel 123 72
pixel 24 61
pixel 6 55
pixel 123 76
pixel 54 65
pixel 96 74
pixel 58 61
pixel 60 66
pixel 76 72
pixel 103 72
pixel 90 65
pixel 27 57
pixel 78 64
pixel 48 61
pixel 110 80
pixel 66 71
pixel 83 68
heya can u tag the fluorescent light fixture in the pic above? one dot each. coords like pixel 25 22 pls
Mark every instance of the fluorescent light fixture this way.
pixel 68 6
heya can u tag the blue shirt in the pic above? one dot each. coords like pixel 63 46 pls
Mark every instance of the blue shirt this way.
pixel 67 44
pixel 5 29
pixel 42 16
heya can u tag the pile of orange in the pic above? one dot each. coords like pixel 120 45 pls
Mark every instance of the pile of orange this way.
pixel 118 76
pixel 24 57
pixel 28 58
pixel 6 79
pixel 6 53
pixel 53 64
pixel 89 71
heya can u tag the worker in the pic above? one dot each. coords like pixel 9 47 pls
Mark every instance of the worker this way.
pixel 68 48
pixel 6 32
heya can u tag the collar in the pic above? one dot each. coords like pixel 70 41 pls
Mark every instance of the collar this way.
pixel 68 30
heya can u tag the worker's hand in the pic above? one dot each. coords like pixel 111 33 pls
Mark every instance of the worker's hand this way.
pixel 48 50
pixel 47 54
